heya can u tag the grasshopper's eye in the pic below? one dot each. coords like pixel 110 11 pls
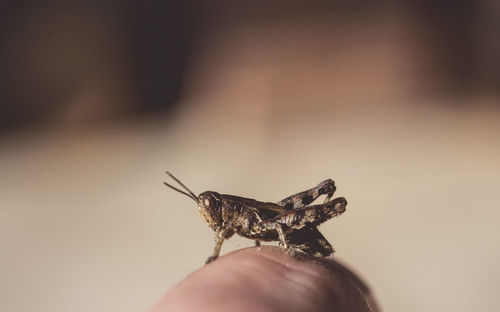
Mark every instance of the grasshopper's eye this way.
pixel 208 200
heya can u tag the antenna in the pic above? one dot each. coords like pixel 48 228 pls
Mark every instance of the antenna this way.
pixel 189 193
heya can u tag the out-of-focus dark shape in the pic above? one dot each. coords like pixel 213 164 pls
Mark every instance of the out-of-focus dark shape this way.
pixel 85 60
pixel 161 37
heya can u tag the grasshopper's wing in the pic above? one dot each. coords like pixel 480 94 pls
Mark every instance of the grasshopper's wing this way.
pixel 263 209
pixel 311 241
pixel 267 210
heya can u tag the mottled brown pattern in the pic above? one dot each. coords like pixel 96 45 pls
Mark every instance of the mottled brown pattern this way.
pixel 326 187
pixel 290 221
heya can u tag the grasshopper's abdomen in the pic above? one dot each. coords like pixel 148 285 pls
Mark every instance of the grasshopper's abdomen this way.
pixel 244 220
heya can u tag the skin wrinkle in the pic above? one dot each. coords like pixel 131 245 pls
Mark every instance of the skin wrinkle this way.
pixel 310 290
pixel 284 280
pixel 301 279
pixel 270 255
pixel 267 279
pixel 276 279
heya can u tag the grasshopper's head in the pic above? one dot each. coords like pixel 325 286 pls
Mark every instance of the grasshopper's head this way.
pixel 210 207
pixel 209 203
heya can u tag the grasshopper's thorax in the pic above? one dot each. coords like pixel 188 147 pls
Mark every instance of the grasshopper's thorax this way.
pixel 210 204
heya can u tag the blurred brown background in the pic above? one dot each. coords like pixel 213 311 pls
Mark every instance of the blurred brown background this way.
pixel 397 101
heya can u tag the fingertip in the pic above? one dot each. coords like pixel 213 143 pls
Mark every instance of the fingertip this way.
pixel 268 279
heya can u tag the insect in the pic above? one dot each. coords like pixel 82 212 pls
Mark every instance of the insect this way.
pixel 292 221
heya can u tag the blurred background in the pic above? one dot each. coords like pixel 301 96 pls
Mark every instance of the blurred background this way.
pixel 397 101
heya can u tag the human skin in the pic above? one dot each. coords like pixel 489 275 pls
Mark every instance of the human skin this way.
pixel 268 279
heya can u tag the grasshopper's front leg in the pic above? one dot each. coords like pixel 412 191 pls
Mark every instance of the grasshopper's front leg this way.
pixel 220 236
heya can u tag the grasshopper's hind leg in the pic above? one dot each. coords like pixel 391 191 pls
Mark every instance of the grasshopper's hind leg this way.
pixel 304 198
pixel 311 216
pixel 298 227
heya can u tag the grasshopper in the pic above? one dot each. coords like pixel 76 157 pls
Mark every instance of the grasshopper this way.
pixel 291 221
